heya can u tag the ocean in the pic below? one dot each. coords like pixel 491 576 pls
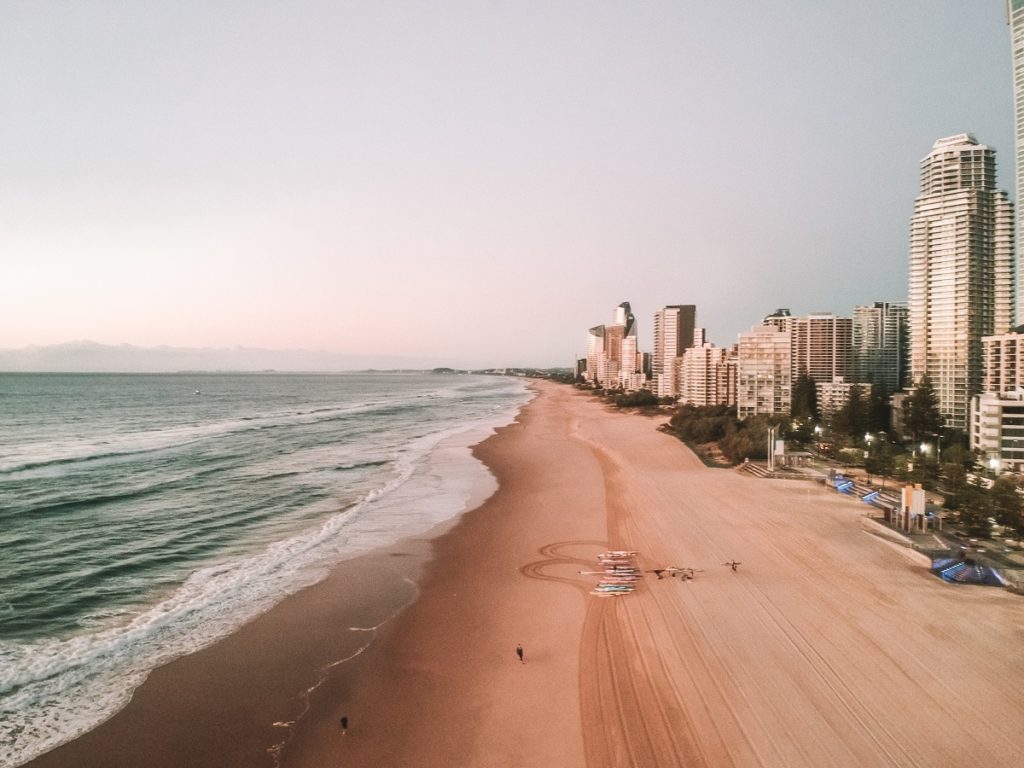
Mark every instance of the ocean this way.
pixel 143 517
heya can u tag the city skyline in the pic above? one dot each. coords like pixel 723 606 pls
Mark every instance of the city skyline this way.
pixel 403 181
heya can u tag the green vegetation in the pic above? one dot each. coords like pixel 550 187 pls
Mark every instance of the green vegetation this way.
pixel 922 417
pixel 642 398
pixel 737 440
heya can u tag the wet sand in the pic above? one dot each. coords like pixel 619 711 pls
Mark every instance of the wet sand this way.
pixel 827 647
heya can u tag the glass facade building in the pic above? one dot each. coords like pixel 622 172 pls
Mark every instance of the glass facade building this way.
pixel 880 345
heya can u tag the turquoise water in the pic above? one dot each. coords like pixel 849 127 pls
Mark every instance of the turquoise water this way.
pixel 143 516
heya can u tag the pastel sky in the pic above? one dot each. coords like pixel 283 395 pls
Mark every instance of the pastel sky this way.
pixel 472 183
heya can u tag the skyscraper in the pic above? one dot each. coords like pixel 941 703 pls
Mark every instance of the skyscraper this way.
pixel 673 334
pixel 821 346
pixel 595 355
pixel 1015 15
pixel 612 358
pixel 880 345
pixel 961 270
pixel 631 363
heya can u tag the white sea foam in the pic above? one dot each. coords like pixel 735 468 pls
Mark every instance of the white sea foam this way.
pixel 54 690
pixel 39 454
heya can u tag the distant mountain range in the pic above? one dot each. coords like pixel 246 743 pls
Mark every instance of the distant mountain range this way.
pixel 90 357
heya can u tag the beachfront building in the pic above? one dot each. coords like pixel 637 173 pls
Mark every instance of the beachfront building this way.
pixel 595 355
pixel 997 429
pixel 613 361
pixel 631 376
pixel 961 271
pixel 1003 357
pixel 821 346
pixel 763 371
pixel 879 345
pixel 674 326
pixel 1015 14
pixel 820 343
pixel 833 395
pixel 707 374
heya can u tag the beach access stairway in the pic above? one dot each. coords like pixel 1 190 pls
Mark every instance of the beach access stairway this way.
pixel 755 469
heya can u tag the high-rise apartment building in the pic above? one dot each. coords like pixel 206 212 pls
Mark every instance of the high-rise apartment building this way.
pixel 820 343
pixel 595 355
pixel 612 358
pixel 763 371
pixel 673 334
pixel 1015 15
pixel 821 346
pixel 631 374
pixel 961 270
pixel 707 374
pixel 880 345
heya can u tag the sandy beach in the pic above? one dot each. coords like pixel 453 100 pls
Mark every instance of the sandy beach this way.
pixel 827 647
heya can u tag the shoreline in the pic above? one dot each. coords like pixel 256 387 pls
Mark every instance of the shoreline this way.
pixel 443 686
pixel 183 713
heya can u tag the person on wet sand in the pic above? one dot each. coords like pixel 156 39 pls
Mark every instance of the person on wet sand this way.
pixel 344 725
pixel 519 653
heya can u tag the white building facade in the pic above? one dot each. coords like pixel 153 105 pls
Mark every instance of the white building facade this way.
pixel 763 372
pixel 1015 14
pixel 961 271
pixel 997 429
pixel 1003 357
pixel 821 346
pixel 674 326
pixel 613 361
pixel 707 374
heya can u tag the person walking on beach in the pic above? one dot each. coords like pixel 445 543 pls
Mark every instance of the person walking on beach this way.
pixel 519 653
pixel 344 725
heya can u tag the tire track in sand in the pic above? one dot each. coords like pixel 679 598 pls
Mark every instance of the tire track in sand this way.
pixel 633 714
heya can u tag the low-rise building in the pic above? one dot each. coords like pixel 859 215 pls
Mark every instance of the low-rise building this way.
pixel 997 429
pixel 833 395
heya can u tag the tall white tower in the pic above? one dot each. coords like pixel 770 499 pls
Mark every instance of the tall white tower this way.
pixel 673 334
pixel 1015 16
pixel 961 270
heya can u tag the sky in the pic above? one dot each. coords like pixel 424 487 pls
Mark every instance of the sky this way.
pixel 469 183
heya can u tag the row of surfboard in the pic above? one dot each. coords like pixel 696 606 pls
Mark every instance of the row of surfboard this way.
pixel 621 573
